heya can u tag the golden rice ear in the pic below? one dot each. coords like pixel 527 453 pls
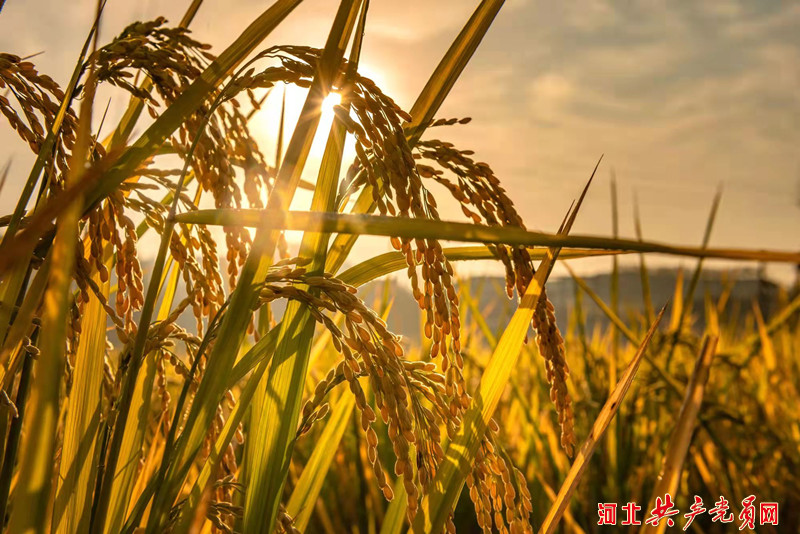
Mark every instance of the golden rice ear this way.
pixel 497 489
pixel 551 348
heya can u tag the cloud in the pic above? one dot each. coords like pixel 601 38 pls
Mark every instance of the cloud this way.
pixel 679 96
pixel 548 90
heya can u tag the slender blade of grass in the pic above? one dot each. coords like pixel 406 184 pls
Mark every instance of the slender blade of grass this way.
pixel 15 429
pixel 22 323
pixel 456 231
pixel 669 478
pixel 644 275
pixel 598 429
pixel 135 431
pixel 78 467
pixel 396 513
pixel 767 347
pixel 450 68
pixel 390 262
pixel 688 299
pixel 677 302
pixel 780 319
pixel 614 437
pixel 224 438
pixel 10 286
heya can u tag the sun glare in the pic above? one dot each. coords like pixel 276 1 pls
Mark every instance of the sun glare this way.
pixel 325 122
pixel 333 99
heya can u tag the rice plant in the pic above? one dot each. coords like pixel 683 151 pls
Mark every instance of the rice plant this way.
pixel 236 383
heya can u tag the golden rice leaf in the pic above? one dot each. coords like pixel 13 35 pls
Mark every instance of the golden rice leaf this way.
pixel 595 435
pixel 712 316
pixel 677 302
pixel 10 286
pixel 22 325
pixel 688 299
pixel 450 68
pixel 78 466
pixel 752 342
pixel 390 262
pixel 572 525
pixel 767 347
pixel 32 495
pixel 614 439
pixel 712 216
pixel 645 277
pixel 681 438
pixel 457 231
pixel 187 513
pixel 263 348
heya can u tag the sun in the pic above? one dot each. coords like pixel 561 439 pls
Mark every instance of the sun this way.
pixel 332 100
pixel 325 122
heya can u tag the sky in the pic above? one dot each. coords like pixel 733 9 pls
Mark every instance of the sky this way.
pixel 681 98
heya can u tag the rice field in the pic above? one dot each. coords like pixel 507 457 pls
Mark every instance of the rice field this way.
pixel 239 383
